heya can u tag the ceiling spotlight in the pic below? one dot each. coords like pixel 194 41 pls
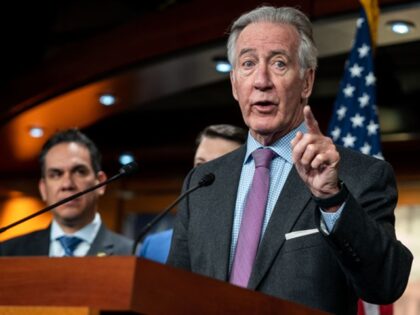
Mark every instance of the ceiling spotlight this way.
pixel 126 158
pixel 222 64
pixel 107 99
pixel 401 27
pixel 36 132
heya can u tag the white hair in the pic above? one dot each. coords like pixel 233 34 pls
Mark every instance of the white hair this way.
pixel 307 51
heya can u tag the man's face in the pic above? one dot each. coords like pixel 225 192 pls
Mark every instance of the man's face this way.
pixel 212 148
pixel 68 170
pixel 267 80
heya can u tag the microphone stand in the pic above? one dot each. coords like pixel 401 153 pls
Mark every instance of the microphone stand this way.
pixel 207 180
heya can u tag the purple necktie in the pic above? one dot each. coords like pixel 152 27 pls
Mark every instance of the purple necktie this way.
pixel 252 220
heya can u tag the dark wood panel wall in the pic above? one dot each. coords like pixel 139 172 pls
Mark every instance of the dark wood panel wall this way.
pixel 184 25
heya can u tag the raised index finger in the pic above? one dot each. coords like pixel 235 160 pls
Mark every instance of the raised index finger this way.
pixel 310 121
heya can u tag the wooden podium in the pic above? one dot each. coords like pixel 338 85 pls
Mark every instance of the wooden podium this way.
pixel 124 285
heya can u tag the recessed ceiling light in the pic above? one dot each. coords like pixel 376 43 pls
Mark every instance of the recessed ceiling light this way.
pixel 126 158
pixel 401 27
pixel 107 99
pixel 36 132
pixel 222 64
pixel 223 67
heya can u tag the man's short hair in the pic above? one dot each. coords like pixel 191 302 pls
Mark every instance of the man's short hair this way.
pixel 71 135
pixel 307 50
pixel 224 131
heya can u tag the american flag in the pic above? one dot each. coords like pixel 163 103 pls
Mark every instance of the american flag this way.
pixel 355 121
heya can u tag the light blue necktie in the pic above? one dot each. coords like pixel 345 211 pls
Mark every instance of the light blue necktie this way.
pixel 69 244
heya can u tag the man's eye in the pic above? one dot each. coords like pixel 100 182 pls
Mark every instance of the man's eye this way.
pixel 247 64
pixel 280 64
pixel 82 171
pixel 54 174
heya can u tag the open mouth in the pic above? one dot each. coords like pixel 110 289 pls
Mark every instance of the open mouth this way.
pixel 264 106
pixel 263 103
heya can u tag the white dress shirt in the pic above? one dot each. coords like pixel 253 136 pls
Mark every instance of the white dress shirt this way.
pixel 87 234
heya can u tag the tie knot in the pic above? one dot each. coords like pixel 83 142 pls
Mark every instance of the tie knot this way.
pixel 69 244
pixel 263 157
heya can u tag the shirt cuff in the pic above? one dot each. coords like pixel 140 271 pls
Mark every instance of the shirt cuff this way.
pixel 328 219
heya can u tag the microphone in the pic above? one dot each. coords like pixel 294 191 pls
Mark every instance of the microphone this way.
pixel 206 180
pixel 124 171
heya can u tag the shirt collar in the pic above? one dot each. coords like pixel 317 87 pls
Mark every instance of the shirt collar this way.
pixel 281 147
pixel 87 233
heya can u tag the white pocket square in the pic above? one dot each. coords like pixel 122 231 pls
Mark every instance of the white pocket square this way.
pixel 300 233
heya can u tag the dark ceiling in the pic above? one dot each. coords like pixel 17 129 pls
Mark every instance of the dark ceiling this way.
pixel 51 47
pixel 34 32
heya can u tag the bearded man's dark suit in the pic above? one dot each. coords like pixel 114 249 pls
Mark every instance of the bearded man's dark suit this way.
pixel 37 243
pixel 359 258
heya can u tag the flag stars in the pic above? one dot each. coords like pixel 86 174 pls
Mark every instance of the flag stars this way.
pixel 379 156
pixel 357 120
pixel 366 148
pixel 356 71
pixel 372 128
pixel 363 50
pixel 349 90
pixel 370 79
pixel 363 100
pixel 336 133
pixel 348 140
pixel 341 112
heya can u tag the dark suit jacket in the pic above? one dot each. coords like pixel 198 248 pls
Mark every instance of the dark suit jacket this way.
pixel 38 243
pixel 360 258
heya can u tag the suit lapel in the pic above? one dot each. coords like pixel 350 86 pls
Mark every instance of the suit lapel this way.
pixel 227 178
pixel 102 245
pixel 289 206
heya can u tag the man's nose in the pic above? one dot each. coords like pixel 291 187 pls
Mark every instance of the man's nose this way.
pixel 263 80
pixel 68 181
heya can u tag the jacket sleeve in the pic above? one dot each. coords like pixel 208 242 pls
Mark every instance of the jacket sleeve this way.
pixel 376 264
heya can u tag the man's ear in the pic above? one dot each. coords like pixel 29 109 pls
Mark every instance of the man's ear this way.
pixel 42 189
pixel 101 177
pixel 233 84
pixel 309 78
